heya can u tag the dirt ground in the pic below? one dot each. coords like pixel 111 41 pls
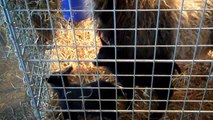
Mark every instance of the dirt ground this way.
pixel 14 103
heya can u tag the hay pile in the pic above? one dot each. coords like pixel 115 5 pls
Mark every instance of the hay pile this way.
pixel 195 94
pixel 78 45
pixel 66 43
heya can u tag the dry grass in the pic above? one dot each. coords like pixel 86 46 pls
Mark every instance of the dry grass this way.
pixel 82 46
pixel 195 82
pixel 67 43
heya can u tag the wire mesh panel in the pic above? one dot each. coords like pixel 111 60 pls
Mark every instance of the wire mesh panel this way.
pixel 5 46
pixel 3 51
pixel 114 59
pixel 2 43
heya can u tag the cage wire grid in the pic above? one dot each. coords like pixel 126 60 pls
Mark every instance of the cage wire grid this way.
pixel 6 48
pixel 35 27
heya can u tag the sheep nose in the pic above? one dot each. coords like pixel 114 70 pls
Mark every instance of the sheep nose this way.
pixel 99 56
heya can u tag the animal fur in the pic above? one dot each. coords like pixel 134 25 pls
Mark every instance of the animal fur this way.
pixel 89 92
pixel 148 19
pixel 142 68
pixel 146 32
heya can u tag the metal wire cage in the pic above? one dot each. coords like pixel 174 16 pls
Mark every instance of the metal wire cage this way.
pixel 6 48
pixel 46 45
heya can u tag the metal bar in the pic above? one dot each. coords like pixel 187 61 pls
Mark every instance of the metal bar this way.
pixel 135 54
pixel 118 46
pixel 34 37
pixel 115 43
pixel 53 35
pixel 154 55
pixel 145 111
pixel 174 54
pixel 132 29
pixel 204 93
pixel 18 53
pixel 120 60
pixel 117 10
pixel 193 60
pixel 75 46
pixel 137 100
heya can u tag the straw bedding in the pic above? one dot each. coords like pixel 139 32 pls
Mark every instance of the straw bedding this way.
pixel 82 46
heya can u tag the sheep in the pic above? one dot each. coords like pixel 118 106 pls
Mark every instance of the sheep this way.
pixel 147 20
pixel 142 68
pixel 147 34
pixel 107 96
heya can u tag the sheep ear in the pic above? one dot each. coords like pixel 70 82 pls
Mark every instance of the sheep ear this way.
pixel 57 80
pixel 53 79
pixel 103 42
pixel 68 70
pixel 176 66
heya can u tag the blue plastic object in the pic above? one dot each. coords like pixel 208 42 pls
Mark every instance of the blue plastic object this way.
pixel 75 5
